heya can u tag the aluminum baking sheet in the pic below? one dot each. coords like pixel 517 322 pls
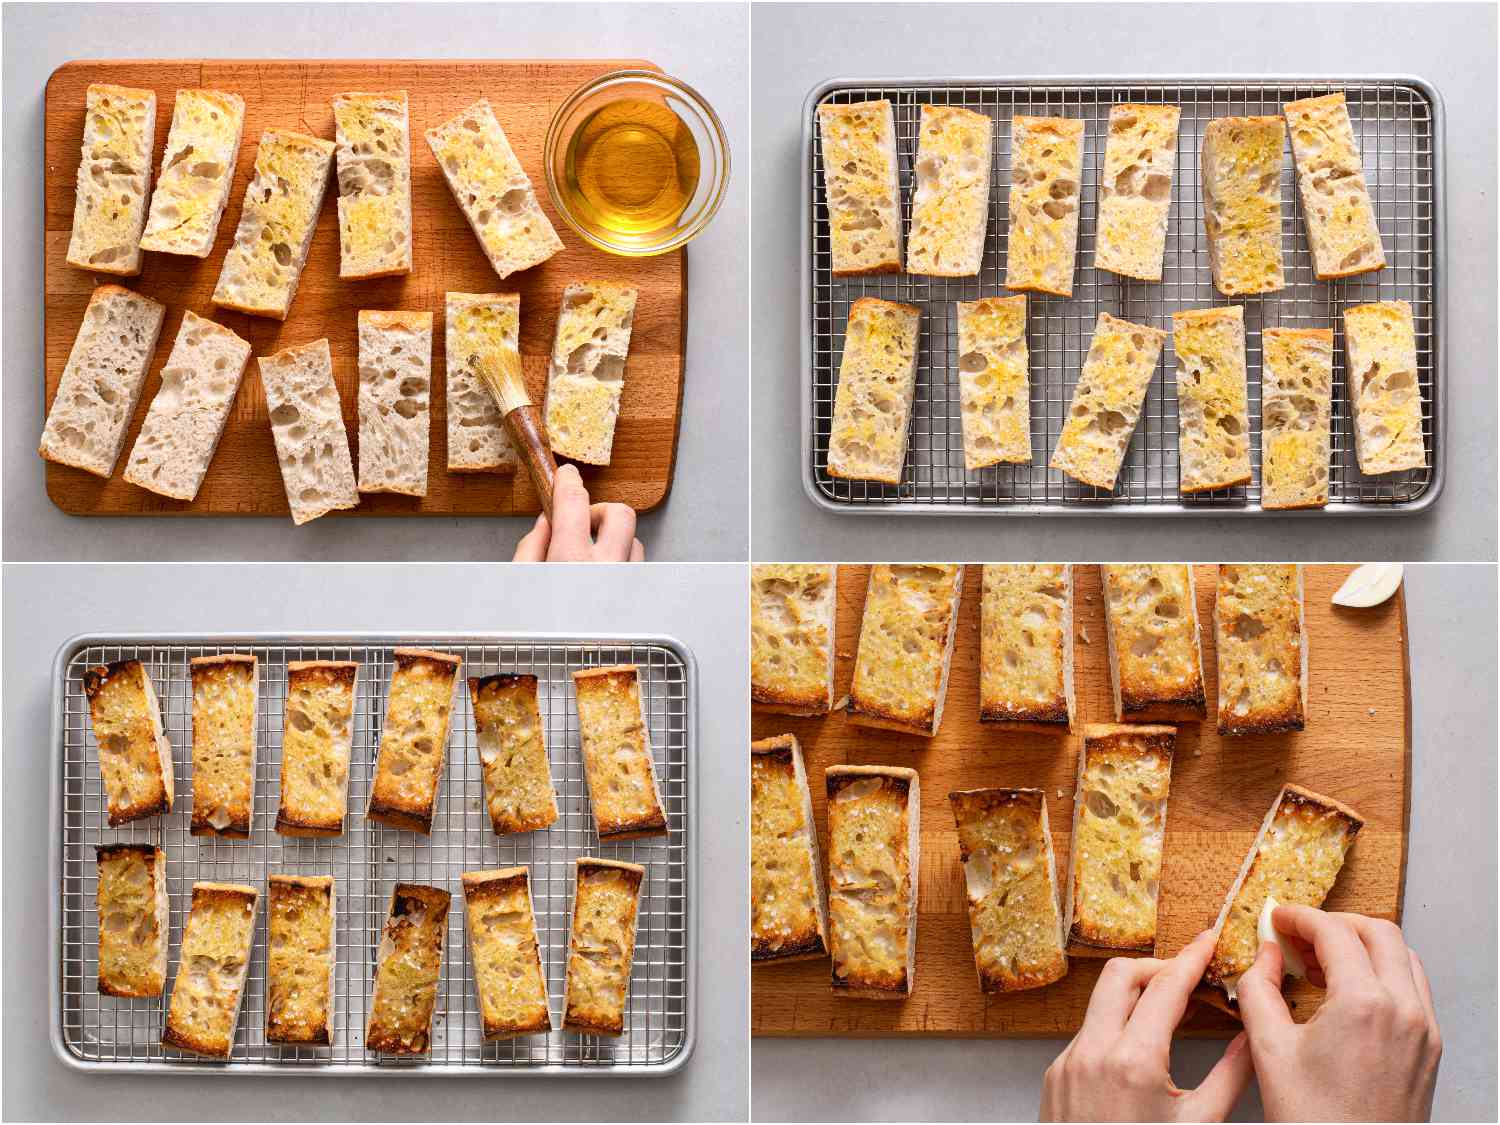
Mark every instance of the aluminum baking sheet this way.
pixel 101 1032
pixel 1398 122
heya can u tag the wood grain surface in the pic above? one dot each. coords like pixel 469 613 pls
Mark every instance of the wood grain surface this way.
pixel 1357 748
pixel 244 478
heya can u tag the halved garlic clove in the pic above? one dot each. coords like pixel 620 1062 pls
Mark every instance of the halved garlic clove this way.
pixel 1369 585
pixel 1291 957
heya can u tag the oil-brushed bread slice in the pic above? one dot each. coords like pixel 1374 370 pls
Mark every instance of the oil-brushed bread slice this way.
pixel 1213 412
pixel 477 323
pixel 1341 226
pixel 373 135
pixel 877 385
pixel 1384 387
pixel 862 186
pixel 114 179
pixel 1135 190
pixel 1046 175
pixel 1242 203
pixel 395 381
pixel 308 425
pixel 950 209
pixel 587 375
pixel 993 383
pixel 197 169
pixel 1296 410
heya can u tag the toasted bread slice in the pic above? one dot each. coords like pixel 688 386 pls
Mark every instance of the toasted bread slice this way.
pixel 1242 203
pixel 1155 648
pixel 301 959
pixel 211 969
pixel 518 790
pixel 951 205
pixel 506 958
pixel 792 609
pixel 788 909
pixel 1135 190
pixel 1261 640
pixel 1046 157
pixel 1341 227
pixel 135 758
pixel 407 969
pixel 414 739
pixel 861 184
pixel 616 747
pixel 906 646
pixel 993 384
pixel 1384 387
pixel 1296 410
pixel 133 919
pixel 601 950
pixel 1213 411
pixel 316 741
pixel 225 701
pixel 1026 647
pixel 877 385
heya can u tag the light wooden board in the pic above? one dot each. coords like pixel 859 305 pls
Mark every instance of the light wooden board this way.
pixel 244 478
pixel 1357 747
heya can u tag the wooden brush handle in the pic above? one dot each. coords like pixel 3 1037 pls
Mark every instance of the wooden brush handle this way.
pixel 525 424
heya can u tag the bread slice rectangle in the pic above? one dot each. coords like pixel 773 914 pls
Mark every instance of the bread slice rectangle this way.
pixel 102 380
pixel 1384 387
pixel 1119 826
pixel 874 855
pixel 1213 409
pixel 861 186
pixel 226 693
pixel 407 971
pixel 906 646
pixel 877 385
pixel 1341 228
pixel 197 170
pixel 114 179
pixel 413 739
pixel 277 222
pixel 1262 648
pixel 788 907
pixel 181 432
pixel 307 422
pixel 505 954
pixel 316 742
pixel 493 190
pixel 616 748
pixel 1010 873
pixel 135 758
pixel 601 949
pixel 1046 169
pixel 1135 190
pixel 301 959
pixel 792 608
pixel 508 727
pixel 395 408
pixel 477 324
pixel 1296 411
pixel 1026 647
pixel 1242 203
pixel 133 919
pixel 211 969
pixel 1107 401
pixel 372 133
pixel 951 206
pixel 993 382
pixel 1155 643
pixel 587 374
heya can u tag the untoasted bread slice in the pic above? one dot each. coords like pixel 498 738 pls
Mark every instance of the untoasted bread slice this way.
pixel 1026 647
pixel 792 637
pixel 1242 203
pixel 477 324
pixel 1384 387
pixel 586 378
pixel 616 748
pixel 211 969
pixel 877 385
pixel 135 758
pixel 504 953
pixel 225 701
pixel 1155 648
pixel 408 967
pixel 1262 648
pixel 951 204
pixel 414 739
pixel 197 171
pixel 1135 190
pixel 301 959
pixel 788 909
pixel 1296 409
pixel 113 185
pixel 316 741
pixel 601 950
pixel 1213 440
pixel 510 735
pixel 133 919
pixel 993 384
pixel 1341 227
pixel 906 646
pixel 373 134
pixel 861 184
pixel 1046 174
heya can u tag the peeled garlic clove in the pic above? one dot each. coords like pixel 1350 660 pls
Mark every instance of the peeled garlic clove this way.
pixel 1369 585
pixel 1291 957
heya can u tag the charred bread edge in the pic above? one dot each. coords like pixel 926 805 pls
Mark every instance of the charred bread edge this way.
pixel 393 815
pixel 237 829
pixel 481 881
pixel 94 681
pixel 387 1045
pixel 652 824
pixel 785 747
pixel 170 1037
pixel 339 670
pixel 320 1037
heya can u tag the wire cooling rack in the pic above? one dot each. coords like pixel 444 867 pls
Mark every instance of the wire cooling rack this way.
pixel 369 859
pixel 1398 123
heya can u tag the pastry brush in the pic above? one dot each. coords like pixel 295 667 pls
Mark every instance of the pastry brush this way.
pixel 500 368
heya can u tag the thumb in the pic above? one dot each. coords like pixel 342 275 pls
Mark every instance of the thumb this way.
pixel 1217 1094
pixel 570 509
pixel 1262 1006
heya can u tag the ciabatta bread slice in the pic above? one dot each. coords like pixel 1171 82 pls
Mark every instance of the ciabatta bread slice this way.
pixel 477 324
pixel 1026 647
pixel 395 412
pixel 373 135
pixel 951 206
pixel 226 692
pixel 509 981
pixel 408 969
pixel 1046 158
pixel 616 748
pixel 414 739
pixel 197 169
pixel 792 609
pixel 1242 203
pixel 587 374
pixel 994 386
pixel 1135 190
pixel 1383 387
pixel 301 959
pixel 1262 648
pixel 211 969
pixel 511 738
pixel 135 758
pixel 861 186
pixel 114 179
pixel 788 906
pixel 906 646
pixel 1296 411
pixel 316 742
pixel 1155 647
pixel 601 948
pixel 307 422
pixel 1341 227
pixel 877 385
pixel 1213 411
pixel 134 919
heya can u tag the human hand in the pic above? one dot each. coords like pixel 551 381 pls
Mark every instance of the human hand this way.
pixel 579 531
pixel 1371 1051
pixel 1117 1068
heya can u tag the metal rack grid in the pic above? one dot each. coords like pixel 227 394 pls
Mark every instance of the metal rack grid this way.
pixel 102 1031
pixel 1398 124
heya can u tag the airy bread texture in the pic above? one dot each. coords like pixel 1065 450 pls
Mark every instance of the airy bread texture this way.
pixel 1296 410
pixel 492 190
pixel 211 969
pixel 114 179
pixel 1155 651
pixel 587 375
pixel 1262 648
pixel 1135 190
pixel 413 739
pixel 877 383
pixel 477 324
pixel 407 971
pixel 905 647
pixel 601 950
pixel 301 959
pixel 788 907
pixel 197 169
pixel 133 919
pixel 505 954
pixel 395 414
pixel 1242 203
pixel 861 181
pixel 101 383
pixel 1045 175
pixel 508 728
pixel 1107 401
pixel 1383 387
pixel 186 419
pixel 226 693
pixel 315 747
pixel 1341 227
pixel 1213 410
pixel 616 749
pixel 951 206
pixel 1026 647
pixel 792 609
pixel 307 422
pixel 993 385
pixel 373 135
pixel 135 758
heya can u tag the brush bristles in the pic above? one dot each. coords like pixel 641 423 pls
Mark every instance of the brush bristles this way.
pixel 501 371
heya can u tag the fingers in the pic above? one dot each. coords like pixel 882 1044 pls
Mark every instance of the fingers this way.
pixel 637 551
pixel 1341 953
pixel 1262 1006
pixel 1165 999
pixel 1115 995
pixel 1424 993
pixel 1217 1094
pixel 614 533
pixel 533 545
pixel 570 515
pixel 1389 955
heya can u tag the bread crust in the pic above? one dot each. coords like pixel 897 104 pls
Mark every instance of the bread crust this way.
pixel 503 887
pixel 901 682
pixel 792 612
pixel 408 773
pixel 299 1006
pixel 407 971
pixel 295 814
pixel 596 994
pixel 126 719
pixel 781 818
pixel 612 715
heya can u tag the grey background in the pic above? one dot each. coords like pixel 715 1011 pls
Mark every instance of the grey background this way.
pixel 797 46
pixel 703 606
pixel 1450 918
pixel 704 44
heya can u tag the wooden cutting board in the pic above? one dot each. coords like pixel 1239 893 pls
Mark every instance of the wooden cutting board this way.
pixel 244 478
pixel 1357 747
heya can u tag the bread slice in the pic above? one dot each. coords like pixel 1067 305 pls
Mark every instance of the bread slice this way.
pixel 587 375
pixel 862 187
pixel 114 179
pixel 226 693
pixel 1010 873
pixel 133 919
pixel 616 749
pixel 1155 645
pixel 1119 824
pixel 906 646
pixel 102 381
pixel 1242 203
pixel 792 608
pixel 1026 647
pixel 492 190
pixel 197 169
pixel 505 954
pixel 951 206
pixel 1341 227
pixel 993 384
pixel 211 969
pixel 1261 639
pixel 372 133
pixel 1213 410
pixel 186 419
pixel 508 727
pixel 413 739
pixel 476 324
pixel 788 907
pixel 277 222
pixel 315 747
pixel 301 959
pixel 877 384
pixel 1046 167
pixel 874 856
pixel 135 758
pixel 407 971
pixel 1296 410
pixel 1107 401
pixel 601 950
pixel 1135 190
pixel 1383 387
pixel 395 411
pixel 307 422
